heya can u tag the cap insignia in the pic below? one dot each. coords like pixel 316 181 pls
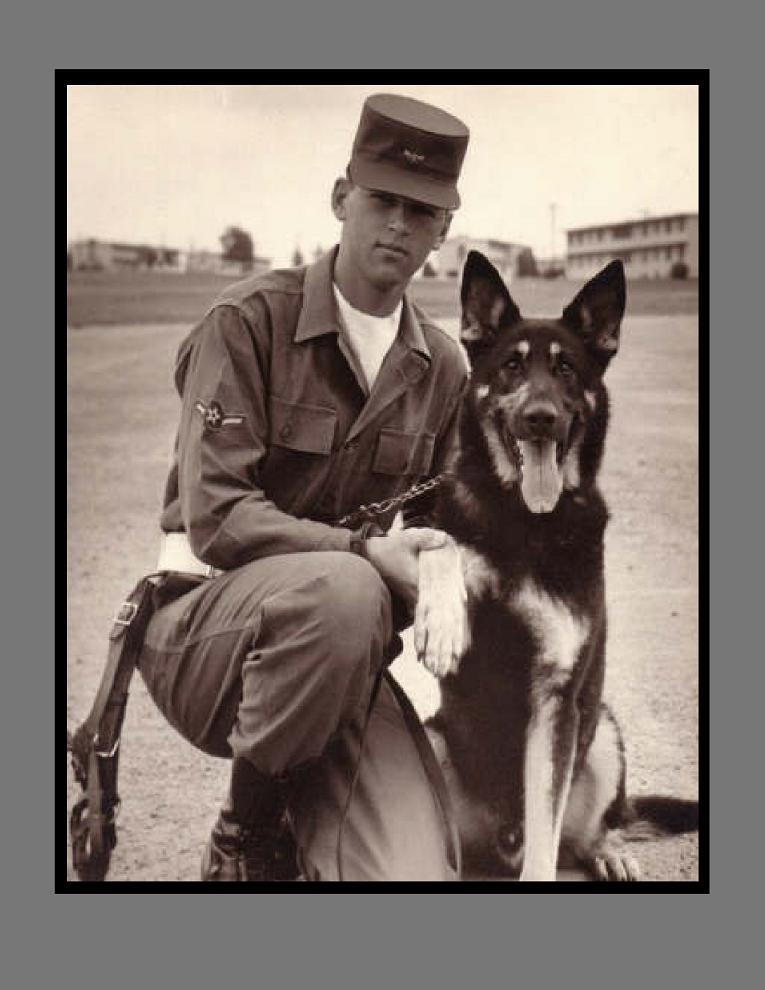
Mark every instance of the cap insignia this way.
pixel 413 157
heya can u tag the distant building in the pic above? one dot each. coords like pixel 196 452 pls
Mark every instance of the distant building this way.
pixel 502 254
pixel 215 263
pixel 551 267
pixel 652 247
pixel 95 255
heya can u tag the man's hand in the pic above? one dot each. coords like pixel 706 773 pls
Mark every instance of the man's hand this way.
pixel 441 630
pixel 396 558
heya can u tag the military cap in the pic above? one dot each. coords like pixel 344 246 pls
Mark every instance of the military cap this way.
pixel 410 149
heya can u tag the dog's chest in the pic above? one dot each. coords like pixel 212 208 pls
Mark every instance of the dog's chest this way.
pixel 558 634
pixel 556 631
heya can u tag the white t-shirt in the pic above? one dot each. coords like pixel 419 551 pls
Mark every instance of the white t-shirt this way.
pixel 369 337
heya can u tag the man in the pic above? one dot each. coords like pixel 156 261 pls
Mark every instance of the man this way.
pixel 306 393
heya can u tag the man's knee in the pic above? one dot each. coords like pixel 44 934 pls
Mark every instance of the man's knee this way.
pixel 353 606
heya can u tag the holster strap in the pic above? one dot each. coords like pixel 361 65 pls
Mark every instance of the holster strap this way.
pixel 94 746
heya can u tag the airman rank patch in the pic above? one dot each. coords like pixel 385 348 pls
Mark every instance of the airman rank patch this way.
pixel 215 416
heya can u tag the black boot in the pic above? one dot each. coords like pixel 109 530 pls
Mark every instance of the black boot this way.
pixel 251 839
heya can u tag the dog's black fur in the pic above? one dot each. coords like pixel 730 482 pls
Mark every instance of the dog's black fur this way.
pixel 524 511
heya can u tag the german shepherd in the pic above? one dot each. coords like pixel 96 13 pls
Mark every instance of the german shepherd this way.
pixel 511 613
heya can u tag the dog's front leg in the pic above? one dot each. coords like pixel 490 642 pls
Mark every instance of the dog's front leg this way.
pixel 548 765
pixel 441 634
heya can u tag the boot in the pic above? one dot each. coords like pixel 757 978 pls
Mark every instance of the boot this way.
pixel 251 839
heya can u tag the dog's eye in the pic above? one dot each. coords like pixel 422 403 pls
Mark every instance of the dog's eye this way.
pixel 513 363
pixel 565 368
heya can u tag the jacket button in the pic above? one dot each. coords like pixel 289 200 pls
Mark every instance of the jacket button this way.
pixel 286 431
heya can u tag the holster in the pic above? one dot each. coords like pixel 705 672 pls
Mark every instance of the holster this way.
pixel 95 744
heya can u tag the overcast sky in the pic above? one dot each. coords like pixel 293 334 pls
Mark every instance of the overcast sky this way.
pixel 175 165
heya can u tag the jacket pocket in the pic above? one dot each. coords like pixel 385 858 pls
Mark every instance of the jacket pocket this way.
pixel 403 453
pixel 296 426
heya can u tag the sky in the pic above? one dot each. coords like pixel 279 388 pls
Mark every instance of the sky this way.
pixel 175 165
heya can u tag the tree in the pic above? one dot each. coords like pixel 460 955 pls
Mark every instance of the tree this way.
pixel 526 264
pixel 297 258
pixel 429 271
pixel 148 255
pixel 237 245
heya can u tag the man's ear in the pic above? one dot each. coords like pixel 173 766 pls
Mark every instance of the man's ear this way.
pixel 340 193
pixel 487 306
pixel 444 230
pixel 596 312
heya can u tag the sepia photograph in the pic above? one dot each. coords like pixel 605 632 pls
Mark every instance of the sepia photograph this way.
pixel 383 483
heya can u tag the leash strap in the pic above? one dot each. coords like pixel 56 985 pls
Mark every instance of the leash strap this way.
pixel 430 766
pixel 432 771
pixel 95 744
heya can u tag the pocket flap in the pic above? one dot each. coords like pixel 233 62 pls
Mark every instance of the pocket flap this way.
pixel 403 453
pixel 298 426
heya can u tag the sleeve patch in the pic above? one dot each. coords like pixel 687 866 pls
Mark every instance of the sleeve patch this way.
pixel 215 416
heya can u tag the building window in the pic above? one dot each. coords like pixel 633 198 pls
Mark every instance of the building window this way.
pixel 681 224
pixel 623 231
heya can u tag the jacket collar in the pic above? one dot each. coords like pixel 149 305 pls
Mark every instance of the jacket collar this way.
pixel 319 316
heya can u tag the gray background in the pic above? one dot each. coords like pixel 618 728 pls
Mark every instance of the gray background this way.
pixel 349 941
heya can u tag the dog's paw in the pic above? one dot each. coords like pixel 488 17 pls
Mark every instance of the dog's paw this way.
pixel 441 633
pixel 612 862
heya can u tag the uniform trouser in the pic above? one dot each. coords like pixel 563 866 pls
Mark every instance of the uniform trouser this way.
pixel 275 662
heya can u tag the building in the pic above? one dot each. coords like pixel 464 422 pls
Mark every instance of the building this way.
pixel 214 262
pixel 652 247
pixel 551 267
pixel 505 257
pixel 95 255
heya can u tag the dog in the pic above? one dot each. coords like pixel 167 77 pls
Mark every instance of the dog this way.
pixel 511 613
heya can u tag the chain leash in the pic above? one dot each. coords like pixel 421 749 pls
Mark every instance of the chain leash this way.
pixel 374 510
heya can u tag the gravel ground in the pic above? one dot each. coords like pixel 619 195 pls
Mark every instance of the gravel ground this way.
pixel 121 414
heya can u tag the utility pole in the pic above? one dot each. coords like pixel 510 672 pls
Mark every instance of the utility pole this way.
pixel 552 230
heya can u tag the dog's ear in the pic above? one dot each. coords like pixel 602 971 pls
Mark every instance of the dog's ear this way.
pixel 487 306
pixel 596 312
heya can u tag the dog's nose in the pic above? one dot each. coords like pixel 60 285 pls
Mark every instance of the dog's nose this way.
pixel 540 416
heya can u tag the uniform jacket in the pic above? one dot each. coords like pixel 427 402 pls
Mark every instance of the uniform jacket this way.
pixel 277 435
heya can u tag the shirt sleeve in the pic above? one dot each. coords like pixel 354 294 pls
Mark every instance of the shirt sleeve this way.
pixel 222 440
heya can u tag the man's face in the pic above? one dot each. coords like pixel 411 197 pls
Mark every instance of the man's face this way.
pixel 385 237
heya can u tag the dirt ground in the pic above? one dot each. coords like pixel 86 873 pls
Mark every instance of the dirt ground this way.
pixel 121 413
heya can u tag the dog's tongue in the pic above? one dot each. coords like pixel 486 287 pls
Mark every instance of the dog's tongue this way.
pixel 541 482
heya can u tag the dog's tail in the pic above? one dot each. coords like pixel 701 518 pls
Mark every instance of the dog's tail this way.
pixel 652 815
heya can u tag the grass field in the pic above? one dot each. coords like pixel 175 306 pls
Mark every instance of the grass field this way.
pixel 121 415
pixel 130 297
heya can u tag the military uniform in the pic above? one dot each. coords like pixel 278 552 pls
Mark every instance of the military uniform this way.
pixel 273 657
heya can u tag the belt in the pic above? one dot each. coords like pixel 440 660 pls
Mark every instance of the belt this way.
pixel 175 554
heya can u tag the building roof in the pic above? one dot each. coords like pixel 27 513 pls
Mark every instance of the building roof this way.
pixel 622 223
pixel 490 242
